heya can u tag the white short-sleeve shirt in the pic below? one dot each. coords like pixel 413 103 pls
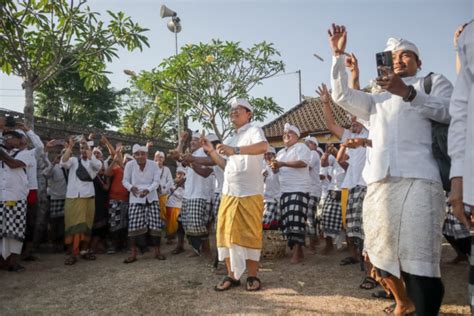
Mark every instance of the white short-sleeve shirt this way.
pixel 243 173
pixel 14 182
pixel 356 161
pixel 295 179
pixel 196 186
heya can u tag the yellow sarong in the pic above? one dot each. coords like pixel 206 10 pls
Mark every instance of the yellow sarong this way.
pixel 344 200
pixel 172 214
pixel 240 221
pixel 163 201
pixel 78 218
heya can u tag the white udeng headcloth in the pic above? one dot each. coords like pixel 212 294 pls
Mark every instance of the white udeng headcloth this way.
pixel 196 134
pixel 394 44
pixel 271 149
pixel 160 153
pixel 136 148
pixel 288 127
pixel 181 169
pixel 311 139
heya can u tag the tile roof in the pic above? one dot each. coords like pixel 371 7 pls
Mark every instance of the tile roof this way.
pixel 308 117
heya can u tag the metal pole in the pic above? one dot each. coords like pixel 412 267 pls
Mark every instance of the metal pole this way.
pixel 177 93
pixel 299 83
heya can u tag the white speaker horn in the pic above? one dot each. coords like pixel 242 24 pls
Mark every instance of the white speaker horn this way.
pixel 166 12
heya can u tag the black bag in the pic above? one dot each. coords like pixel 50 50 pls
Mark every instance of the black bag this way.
pixel 439 145
pixel 82 173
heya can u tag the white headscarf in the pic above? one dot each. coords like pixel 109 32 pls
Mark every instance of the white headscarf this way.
pixel 288 127
pixel 160 153
pixel 136 148
pixel 394 44
pixel 311 139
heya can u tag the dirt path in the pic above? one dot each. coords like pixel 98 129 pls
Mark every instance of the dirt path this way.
pixel 182 285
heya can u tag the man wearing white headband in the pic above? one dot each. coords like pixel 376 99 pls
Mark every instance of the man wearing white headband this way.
pixel 239 225
pixel 292 165
pixel 404 195
pixel 166 181
pixel 194 216
pixel 315 189
pixel 141 178
pixel 354 185
pixel 271 193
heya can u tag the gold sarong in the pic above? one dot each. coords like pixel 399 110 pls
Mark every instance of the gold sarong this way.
pixel 240 221
pixel 163 200
pixel 78 218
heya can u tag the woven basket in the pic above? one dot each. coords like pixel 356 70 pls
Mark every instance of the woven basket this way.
pixel 274 244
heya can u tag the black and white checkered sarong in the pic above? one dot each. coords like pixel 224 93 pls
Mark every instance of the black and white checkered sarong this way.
pixel 311 222
pixel 56 208
pixel 215 205
pixel 471 276
pixel 332 215
pixel 144 217
pixel 195 217
pixel 118 215
pixel 453 227
pixel 294 209
pixel 354 212
pixel 13 220
pixel 271 215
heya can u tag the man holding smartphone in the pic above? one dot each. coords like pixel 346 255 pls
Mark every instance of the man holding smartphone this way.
pixel 404 195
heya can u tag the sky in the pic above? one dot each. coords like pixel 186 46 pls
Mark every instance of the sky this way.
pixel 298 28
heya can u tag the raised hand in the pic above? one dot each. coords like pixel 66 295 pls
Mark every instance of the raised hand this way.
pixel 337 39
pixel 323 93
pixel 352 63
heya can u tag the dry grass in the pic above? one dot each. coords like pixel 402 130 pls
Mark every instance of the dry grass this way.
pixel 181 285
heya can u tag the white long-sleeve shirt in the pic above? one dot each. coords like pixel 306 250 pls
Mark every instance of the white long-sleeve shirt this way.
pixel 146 179
pixel 461 108
pixel 166 180
pixel 314 170
pixel 37 154
pixel 400 131
pixel 77 188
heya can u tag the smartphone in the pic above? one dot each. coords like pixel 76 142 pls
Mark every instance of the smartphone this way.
pixel 97 139
pixel 59 142
pixel 383 59
pixel 78 138
pixel 90 144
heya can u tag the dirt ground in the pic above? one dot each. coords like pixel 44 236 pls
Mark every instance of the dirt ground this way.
pixel 181 285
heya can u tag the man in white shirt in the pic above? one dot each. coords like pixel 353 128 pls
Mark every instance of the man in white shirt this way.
pixel 79 208
pixel 166 181
pixel 461 138
pixel 194 212
pixel 292 166
pixel 353 181
pixel 271 193
pixel 141 178
pixel 239 225
pixel 315 190
pixel 404 195
pixel 13 193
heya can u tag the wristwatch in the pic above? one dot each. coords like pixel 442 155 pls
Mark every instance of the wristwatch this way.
pixel 411 94
pixel 237 150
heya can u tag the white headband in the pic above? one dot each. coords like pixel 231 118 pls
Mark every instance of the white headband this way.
pixel 311 139
pixel 136 148
pixel 235 102
pixel 212 137
pixel 394 44
pixel 181 169
pixel 160 153
pixel 271 149
pixel 288 127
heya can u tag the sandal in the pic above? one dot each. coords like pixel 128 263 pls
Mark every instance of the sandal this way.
pixel 89 256
pixel 160 257
pixel 389 309
pixel 347 261
pixel 16 268
pixel 250 281
pixel 368 283
pixel 382 294
pixel 177 251
pixel 232 283
pixel 130 260
pixel 70 261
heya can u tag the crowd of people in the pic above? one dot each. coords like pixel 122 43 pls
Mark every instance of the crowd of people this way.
pixel 379 189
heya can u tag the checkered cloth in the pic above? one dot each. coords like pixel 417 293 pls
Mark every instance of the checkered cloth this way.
pixel 215 205
pixel 354 212
pixel 56 208
pixel 453 227
pixel 271 215
pixel 332 216
pixel 118 215
pixel 294 209
pixel 311 222
pixel 144 217
pixel 195 217
pixel 13 220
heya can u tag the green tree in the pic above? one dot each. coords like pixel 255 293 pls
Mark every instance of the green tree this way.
pixel 65 98
pixel 42 38
pixel 207 76
pixel 145 118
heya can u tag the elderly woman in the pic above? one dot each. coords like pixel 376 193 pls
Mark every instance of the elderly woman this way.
pixel 292 165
